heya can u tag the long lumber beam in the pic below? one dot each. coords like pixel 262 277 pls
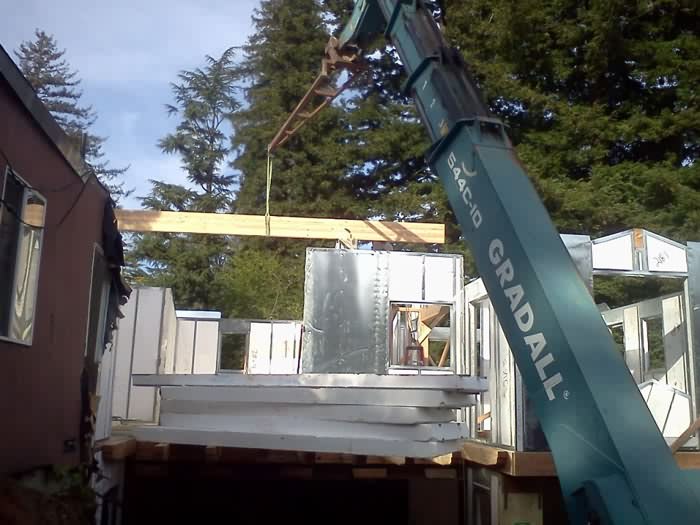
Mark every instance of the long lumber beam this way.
pixel 291 227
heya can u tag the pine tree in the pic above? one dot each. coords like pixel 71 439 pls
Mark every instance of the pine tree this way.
pixel 310 176
pixel 601 100
pixel 57 86
pixel 205 102
pixel 389 143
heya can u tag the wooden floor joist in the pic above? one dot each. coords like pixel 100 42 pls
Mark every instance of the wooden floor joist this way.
pixel 144 221
pixel 536 464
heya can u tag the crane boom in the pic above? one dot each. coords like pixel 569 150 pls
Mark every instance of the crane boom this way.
pixel 612 462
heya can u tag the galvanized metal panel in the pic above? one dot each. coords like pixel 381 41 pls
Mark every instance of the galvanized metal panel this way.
pixel 306 426
pixel 447 383
pixel 184 346
pixel 407 276
pixel 440 272
pixel 103 423
pixel 168 334
pixel 669 407
pixel 313 396
pixel 693 312
pixel 146 345
pixel 614 252
pixel 283 355
pixel 346 311
pixel 505 395
pixel 123 343
pixel 343 445
pixel 147 331
pixel 664 255
pixel 580 247
pixel 632 343
pixel 353 413
pixel 206 347
pixel 259 341
pixel 675 344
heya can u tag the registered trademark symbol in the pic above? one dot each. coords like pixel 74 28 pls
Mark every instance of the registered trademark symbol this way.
pixel 566 394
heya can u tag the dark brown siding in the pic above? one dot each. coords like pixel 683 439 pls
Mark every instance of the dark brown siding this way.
pixel 40 384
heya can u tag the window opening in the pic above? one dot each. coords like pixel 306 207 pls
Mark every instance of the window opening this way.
pixel 421 335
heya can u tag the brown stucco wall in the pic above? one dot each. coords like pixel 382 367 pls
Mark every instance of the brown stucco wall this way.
pixel 40 384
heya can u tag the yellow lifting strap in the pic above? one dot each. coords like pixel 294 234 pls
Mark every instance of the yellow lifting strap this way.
pixel 267 193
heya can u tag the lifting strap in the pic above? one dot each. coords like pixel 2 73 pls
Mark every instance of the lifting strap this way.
pixel 267 193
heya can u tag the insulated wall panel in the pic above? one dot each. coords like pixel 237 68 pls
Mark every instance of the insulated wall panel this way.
pixel 145 351
pixel 123 343
pixel 259 341
pixel 440 285
pixel 184 346
pixel 346 311
pixel 206 347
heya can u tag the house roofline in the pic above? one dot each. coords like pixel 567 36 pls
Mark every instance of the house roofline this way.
pixel 24 91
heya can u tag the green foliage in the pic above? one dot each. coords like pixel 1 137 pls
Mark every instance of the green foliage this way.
pixel 205 102
pixel 281 59
pixel 57 86
pixel 190 264
pixel 264 280
pixel 601 100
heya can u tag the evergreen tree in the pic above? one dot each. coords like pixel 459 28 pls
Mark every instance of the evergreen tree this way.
pixel 601 100
pixel 205 102
pixel 57 86
pixel 310 178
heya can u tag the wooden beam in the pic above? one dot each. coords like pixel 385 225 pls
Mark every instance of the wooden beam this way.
pixel 291 227
pixel 484 454
pixel 117 448
pixel 369 473
pixel 537 464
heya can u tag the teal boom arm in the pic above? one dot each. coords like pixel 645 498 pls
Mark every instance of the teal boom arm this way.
pixel 613 464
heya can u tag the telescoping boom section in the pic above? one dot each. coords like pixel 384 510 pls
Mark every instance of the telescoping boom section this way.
pixel 612 462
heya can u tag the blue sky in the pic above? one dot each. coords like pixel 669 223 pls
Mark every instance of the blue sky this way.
pixel 127 53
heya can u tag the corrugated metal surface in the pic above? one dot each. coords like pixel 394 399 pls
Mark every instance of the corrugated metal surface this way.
pixel 580 247
pixel 347 297
pixel 693 303
pixel 346 305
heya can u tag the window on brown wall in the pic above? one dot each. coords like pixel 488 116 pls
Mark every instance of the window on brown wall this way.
pixel 22 212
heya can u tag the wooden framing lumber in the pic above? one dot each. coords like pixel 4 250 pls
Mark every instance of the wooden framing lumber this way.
pixel 370 473
pixel 117 448
pixel 291 227
pixel 536 464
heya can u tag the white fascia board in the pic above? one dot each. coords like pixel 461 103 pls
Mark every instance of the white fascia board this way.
pixel 338 445
pixel 349 413
pixel 314 396
pixel 299 426
pixel 457 383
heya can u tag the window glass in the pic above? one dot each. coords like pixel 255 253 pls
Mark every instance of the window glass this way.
pixel 11 192
pixel 21 231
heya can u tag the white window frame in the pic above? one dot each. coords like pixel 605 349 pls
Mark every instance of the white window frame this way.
pixel 9 172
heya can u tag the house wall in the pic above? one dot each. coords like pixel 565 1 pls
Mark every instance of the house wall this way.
pixel 40 397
